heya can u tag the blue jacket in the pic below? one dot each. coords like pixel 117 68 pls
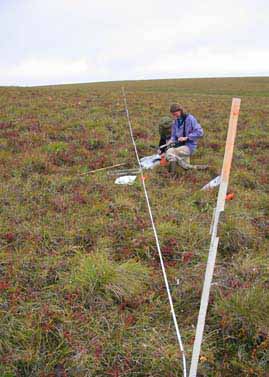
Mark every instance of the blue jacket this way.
pixel 193 131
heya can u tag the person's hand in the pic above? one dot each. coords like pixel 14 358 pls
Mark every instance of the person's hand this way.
pixel 182 138
pixel 169 141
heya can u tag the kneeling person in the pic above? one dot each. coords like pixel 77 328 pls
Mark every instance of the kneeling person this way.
pixel 165 129
pixel 185 133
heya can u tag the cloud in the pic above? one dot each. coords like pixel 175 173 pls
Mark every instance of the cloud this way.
pixel 49 68
pixel 43 70
pixel 205 62
pixel 46 71
pixel 80 41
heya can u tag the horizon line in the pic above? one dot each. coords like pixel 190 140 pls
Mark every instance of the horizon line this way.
pixel 134 80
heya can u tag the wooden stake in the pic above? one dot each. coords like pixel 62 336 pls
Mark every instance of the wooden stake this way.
pixel 105 168
pixel 226 167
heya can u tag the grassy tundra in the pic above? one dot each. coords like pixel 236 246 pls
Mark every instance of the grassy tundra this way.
pixel 81 287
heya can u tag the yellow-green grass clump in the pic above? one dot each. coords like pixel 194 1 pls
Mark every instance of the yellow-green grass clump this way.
pixel 95 274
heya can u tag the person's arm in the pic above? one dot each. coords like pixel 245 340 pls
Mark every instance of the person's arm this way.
pixel 195 128
pixel 173 133
pixel 162 142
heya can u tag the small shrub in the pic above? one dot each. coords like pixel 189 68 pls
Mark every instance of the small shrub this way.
pixel 246 180
pixel 236 235
pixel 94 144
pixel 56 147
pixel 33 165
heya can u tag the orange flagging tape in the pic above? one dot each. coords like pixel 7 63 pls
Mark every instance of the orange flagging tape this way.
pixel 163 161
pixel 229 196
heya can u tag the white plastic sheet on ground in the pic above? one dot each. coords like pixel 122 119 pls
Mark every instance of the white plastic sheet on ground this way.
pixel 125 180
pixel 150 162
pixel 213 183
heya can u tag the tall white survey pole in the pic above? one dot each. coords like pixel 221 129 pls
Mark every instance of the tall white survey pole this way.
pixel 226 167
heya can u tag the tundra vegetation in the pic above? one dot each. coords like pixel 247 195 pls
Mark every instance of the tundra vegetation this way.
pixel 81 287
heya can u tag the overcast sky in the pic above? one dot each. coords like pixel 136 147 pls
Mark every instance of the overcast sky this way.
pixel 66 41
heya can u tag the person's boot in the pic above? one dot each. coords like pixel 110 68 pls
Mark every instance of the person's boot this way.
pixel 201 167
pixel 172 167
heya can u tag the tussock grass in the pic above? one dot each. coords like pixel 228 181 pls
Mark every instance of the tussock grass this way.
pixel 248 306
pixel 95 275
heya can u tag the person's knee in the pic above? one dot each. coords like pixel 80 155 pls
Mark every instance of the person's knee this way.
pixel 170 153
pixel 183 151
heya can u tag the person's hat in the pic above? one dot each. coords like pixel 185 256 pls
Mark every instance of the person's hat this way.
pixel 175 107
pixel 165 122
pixel 165 126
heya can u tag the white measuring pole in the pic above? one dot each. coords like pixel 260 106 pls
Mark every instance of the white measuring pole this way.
pixel 226 167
